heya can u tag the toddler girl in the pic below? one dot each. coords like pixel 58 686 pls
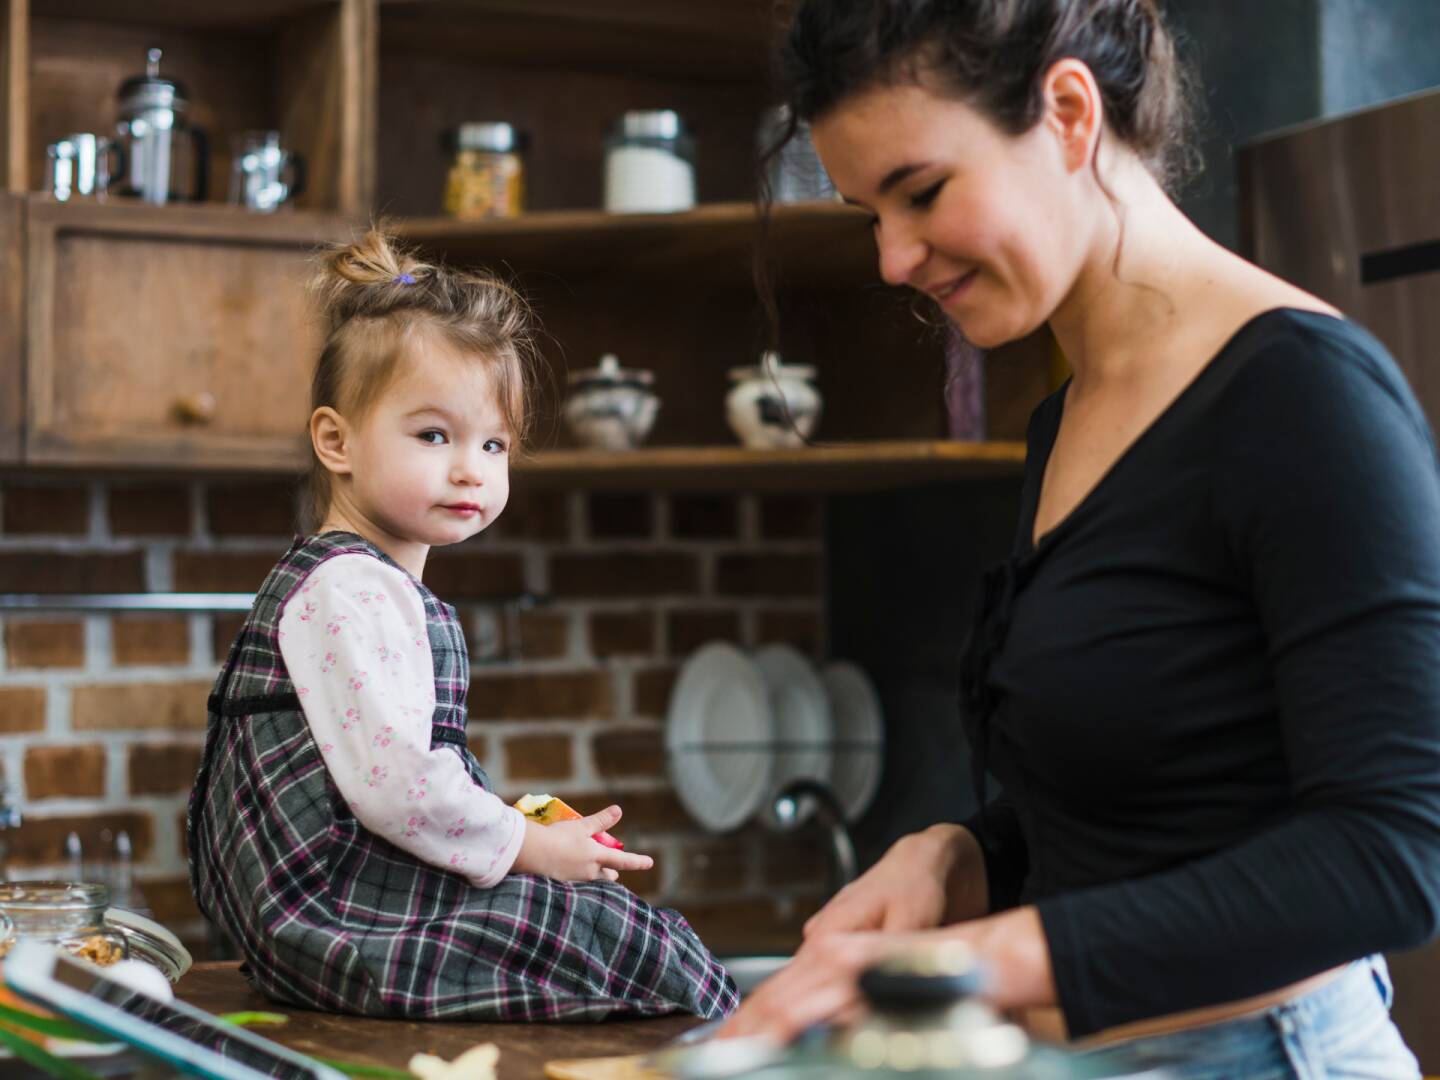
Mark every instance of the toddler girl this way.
pixel 339 830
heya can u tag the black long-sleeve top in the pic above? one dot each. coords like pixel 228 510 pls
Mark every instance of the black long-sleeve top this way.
pixel 1212 694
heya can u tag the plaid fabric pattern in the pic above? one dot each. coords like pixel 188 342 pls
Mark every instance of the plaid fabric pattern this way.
pixel 331 917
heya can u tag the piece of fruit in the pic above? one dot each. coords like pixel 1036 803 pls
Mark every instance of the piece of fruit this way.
pixel 547 809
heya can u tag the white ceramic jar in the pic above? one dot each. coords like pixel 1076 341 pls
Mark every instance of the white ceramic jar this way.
pixel 649 164
pixel 774 405
pixel 610 407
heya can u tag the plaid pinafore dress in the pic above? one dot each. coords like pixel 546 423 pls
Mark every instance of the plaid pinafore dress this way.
pixel 330 916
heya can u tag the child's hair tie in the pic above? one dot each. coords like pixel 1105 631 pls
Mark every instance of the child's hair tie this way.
pixel 404 279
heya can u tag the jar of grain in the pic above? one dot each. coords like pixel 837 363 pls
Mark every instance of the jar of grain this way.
pixel 487 175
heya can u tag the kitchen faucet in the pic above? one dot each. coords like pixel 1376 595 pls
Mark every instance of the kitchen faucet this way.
pixel 829 815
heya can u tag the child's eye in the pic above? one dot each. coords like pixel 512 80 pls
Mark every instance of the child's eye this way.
pixel 494 446
pixel 432 437
pixel 921 199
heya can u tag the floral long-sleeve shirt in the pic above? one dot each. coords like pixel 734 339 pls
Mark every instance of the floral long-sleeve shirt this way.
pixel 354 642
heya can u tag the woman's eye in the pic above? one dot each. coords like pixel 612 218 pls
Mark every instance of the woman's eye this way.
pixel 922 199
pixel 432 437
pixel 494 446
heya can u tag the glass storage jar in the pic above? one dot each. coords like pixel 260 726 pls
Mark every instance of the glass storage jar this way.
pixel 649 163
pixel 487 176
pixel 68 914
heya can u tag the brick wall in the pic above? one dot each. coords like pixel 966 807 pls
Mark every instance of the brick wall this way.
pixel 102 716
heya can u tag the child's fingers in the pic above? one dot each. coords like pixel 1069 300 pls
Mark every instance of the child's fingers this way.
pixel 625 860
pixel 602 820
pixel 608 874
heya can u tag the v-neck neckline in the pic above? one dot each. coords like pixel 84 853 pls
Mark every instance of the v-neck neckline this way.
pixel 1032 545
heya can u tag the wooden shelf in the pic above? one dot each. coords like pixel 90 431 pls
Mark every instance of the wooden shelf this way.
pixel 838 467
pixel 819 245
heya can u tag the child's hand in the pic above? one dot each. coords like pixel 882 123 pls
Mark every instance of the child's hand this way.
pixel 568 850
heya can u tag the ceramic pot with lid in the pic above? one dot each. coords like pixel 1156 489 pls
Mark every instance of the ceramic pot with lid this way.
pixel 774 405
pixel 167 159
pixel 610 407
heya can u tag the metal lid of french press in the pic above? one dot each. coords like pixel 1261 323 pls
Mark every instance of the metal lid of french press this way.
pixel 149 91
pixel 494 136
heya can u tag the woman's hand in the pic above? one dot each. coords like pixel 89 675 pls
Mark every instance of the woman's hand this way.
pixel 925 880
pixel 568 851
pixel 822 982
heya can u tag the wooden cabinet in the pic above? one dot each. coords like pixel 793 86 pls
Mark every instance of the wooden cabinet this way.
pixel 136 318
pixel 159 336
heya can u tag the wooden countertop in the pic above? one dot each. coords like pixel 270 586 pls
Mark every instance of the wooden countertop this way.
pixel 524 1048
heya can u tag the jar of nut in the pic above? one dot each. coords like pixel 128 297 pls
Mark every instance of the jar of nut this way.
pixel 68 914
pixel 487 176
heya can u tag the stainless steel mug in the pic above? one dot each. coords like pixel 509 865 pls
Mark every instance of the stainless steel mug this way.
pixel 264 175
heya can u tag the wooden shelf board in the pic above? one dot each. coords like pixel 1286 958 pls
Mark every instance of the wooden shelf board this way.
pixel 177 14
pixel 838 467
pixel 821 244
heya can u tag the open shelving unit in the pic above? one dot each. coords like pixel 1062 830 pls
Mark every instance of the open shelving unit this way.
pixel 365 89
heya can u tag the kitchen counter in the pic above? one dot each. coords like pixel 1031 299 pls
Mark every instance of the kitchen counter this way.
pixel 524 1048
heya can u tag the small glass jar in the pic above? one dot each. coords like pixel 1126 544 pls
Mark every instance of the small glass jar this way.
pixel 487 176
pixel 67 914
pixel 649 163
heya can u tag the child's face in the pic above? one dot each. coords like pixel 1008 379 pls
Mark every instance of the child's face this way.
pixel 430 460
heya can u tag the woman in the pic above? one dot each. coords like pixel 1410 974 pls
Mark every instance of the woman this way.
pixel 1206 678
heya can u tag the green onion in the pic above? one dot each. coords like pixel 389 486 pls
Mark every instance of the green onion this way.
pixel 255 1019
pixel 52 1026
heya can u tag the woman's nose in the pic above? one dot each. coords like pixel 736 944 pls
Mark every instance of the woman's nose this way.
pixel 901 253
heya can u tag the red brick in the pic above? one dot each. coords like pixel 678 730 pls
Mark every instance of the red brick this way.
pixel 801 859
pixel 790 517
pixel 139 706
pixel 652 691
pixel 454 576
pixel 620 517
pixel 150 510
pixel 768 575
pixel 51 572
pixel 213 571
pixel 647 811
pixel 568 695
pixel 167 769
pixel 539 757
pixel 41 840
pixel 150 640
pixel 804 630
pixel 59 644
pixel 625 575
pixel 57 771
pixel 252 509
pixel 22 708
pixel 535 515
pixel 630 633
pixel 709 866
pixel 704 517
pixel 736 925
pixel 688 630
pixel 224 629
pixel 479 746
pixel 183 832
pixel 629 753
pixel 170 899
pixel 543 636
pixel 31 510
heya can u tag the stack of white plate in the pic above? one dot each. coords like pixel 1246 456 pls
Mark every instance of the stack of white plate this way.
pixel 741 726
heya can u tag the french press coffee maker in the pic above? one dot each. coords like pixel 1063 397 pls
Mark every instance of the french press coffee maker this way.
pixel 167 159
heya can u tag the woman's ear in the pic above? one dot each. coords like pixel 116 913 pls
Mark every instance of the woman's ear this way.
pixel 1074 110
pixel 330 436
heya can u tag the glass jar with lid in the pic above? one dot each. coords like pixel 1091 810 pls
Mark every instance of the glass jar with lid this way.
pixel 487 176
pixel 67 914
pixel 649 163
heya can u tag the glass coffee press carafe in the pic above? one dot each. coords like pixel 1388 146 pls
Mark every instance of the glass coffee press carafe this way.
pixel 166 158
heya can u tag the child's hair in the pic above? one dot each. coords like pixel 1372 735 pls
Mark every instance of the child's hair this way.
pixel 380 302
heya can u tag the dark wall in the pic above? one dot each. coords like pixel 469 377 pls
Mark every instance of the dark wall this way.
pixel 902 573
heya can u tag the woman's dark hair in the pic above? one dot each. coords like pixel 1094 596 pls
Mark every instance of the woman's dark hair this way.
pixel 993 54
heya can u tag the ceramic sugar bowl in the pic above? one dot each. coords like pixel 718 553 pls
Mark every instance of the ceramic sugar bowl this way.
pixel 773 405
pixel 610 407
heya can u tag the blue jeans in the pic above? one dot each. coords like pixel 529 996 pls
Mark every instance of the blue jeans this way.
pixel 1342 1031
